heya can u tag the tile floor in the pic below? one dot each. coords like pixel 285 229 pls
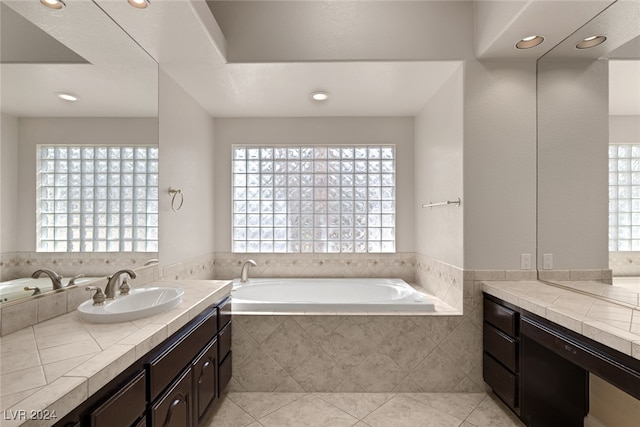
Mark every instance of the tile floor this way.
pixel 240 409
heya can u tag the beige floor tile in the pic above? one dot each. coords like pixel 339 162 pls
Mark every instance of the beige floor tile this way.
pixel 228 414
pixel 259 405
pixel 405 411
pixel 308 411
pixel 459 405
pixel 358 405
pixel 493 413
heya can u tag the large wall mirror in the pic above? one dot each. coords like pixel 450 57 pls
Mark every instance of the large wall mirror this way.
pixel 589 154
pixel 106 141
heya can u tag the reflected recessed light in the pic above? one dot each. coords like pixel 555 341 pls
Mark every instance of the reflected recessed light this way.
pixel 529 42
pixel 320 96
pixel 53 4
pixel 139 4
pixel 67 96
pixel 591 42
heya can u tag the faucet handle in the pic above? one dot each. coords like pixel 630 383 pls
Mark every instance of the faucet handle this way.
pixel 125 288
pixel 99 297
pixel 73 279
pixel 35 289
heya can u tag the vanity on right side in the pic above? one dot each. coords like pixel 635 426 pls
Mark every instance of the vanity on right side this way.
pixel 541 342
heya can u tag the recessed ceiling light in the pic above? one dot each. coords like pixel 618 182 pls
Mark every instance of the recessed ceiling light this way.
pixel 529 42
pixel 591 42
pixel 139 4
pixel 67 96
pixel 320 96
pixel 53 4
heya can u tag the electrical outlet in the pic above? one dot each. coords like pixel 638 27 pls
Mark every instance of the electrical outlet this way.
pixel 525 261
pixel 547 261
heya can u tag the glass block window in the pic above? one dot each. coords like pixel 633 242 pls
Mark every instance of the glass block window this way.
pixel 624 197
pixel 314 199
pixel 97 198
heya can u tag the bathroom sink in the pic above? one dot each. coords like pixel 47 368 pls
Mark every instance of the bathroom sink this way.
pixel 142 302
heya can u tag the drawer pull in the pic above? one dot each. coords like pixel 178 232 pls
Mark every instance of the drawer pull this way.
pixel 177 401
pixel 204 368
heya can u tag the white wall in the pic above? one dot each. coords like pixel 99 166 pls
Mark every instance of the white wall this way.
pixel 573 137
pixel 499 199
pixel 342 130
pixel 98 130
pixel 187 141
pixel 438 173
pixel 624 129
pixel 8 187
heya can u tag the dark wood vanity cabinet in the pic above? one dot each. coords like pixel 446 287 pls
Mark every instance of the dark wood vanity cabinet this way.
pixel 124 407
pixel 543 385
pixel 174 407
pixel 501 350
pixel 174 385
pixel 205 381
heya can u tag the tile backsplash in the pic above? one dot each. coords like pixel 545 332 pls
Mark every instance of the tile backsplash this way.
pixel 453 285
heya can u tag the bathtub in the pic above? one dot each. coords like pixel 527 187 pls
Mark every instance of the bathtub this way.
pixel 327 296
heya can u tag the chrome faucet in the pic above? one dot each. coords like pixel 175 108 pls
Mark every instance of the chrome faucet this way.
pixel 112 284
pixel 244 273
pixel 56 279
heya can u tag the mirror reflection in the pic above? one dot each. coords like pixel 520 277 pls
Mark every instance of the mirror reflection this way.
pixel 593 144
pixel 79 105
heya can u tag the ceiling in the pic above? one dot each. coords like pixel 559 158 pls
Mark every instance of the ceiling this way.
pixel 263 58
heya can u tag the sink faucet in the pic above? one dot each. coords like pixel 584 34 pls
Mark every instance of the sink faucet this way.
pixel 112 284
pixel 244 273
pixel 56 279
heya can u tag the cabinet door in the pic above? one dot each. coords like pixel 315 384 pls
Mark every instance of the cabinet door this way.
pixel 205 380
pixel 124 407
pixel 174 407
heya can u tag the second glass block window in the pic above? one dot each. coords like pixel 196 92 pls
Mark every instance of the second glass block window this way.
pixel 326 199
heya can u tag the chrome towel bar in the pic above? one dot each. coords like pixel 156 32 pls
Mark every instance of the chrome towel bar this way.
pixel 448 202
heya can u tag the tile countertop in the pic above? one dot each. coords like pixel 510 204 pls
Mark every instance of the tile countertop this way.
pixel 611 324
pixel 50 368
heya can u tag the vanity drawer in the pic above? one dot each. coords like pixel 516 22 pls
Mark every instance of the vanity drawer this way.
pixel 502 347
pixel 168 363
pixel 224 340
pixel 124 407
pixel 503 382
pixel 501 317
pixel 224 313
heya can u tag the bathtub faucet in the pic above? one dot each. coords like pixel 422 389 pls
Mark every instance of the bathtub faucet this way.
pixel 244 273
pixel 56 279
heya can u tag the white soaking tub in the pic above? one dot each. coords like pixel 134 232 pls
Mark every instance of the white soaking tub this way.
pixel 327 296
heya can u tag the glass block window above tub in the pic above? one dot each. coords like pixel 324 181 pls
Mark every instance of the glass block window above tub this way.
pixel 97 198
pixel 624 197
pixel 326 199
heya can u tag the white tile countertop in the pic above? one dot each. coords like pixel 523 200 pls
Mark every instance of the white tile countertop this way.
pixel 48 369
pixel 612 324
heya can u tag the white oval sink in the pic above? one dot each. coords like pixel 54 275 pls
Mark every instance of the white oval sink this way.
pixel 142 302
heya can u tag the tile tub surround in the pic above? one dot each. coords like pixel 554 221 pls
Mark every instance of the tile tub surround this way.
pixel 400 265
pixel 336 353
pixel 362 410
pixel 611 324
pixel 57 364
